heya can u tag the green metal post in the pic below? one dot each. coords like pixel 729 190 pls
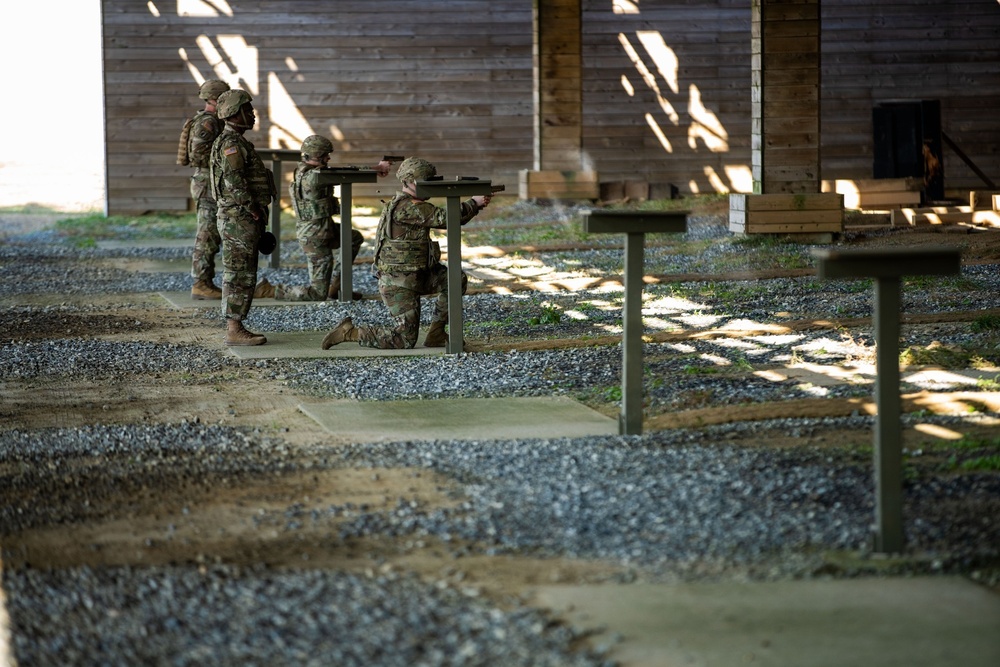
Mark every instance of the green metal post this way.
pixel 346 261
pixel 888 445
pixel 454 235
pixel 630 420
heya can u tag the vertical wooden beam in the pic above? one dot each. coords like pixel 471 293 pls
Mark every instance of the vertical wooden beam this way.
pixel 558 98
pixel 785 81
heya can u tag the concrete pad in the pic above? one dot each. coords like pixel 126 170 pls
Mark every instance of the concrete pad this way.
pixel 183 300
pixel 306 345
pixel 147 243
pixel 466 418
pixel 917 622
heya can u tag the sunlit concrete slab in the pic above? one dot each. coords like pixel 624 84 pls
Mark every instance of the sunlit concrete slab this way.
pixel 147 243
pixel 306 345
pixel 183 301
pixel 918 622
pixel 466 418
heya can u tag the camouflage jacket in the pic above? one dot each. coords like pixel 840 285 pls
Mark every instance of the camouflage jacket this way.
pixel 205 127
pixel 310 198
pixel 238 175
pixel 402 240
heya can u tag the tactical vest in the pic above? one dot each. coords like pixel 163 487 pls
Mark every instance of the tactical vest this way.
pixel 309 199
pixel 205 127
pixel 259 179
pixel 398 255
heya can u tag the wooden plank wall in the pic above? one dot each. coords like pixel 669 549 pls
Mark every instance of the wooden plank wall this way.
pixel 665 84
pixel 559 112
pixel 785 96
pixel 911 50
pixel 451 82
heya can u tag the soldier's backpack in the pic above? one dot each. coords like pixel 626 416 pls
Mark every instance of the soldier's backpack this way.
pixel 182 144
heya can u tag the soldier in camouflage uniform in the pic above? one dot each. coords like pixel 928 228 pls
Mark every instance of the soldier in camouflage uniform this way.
pixel 244 188
pixel 318 235
pixel 408 265
pixel 194 147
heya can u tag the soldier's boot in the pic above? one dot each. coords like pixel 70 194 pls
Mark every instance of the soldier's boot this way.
pixel 334 291
pixel 237 334
pixel 436 336
pixel 263 290
pixel 342 332
pixel 204 290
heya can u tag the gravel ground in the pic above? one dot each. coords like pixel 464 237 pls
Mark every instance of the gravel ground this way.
pixel 670 505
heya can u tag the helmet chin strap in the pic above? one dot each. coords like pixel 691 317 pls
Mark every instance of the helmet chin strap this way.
pixel 240 120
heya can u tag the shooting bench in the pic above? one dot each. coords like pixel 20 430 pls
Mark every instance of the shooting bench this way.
pixel 886 267
pixel 454 191
pixel 635 225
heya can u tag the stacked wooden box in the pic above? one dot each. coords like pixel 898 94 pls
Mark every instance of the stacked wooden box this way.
pixel 558 185
pixel 786 213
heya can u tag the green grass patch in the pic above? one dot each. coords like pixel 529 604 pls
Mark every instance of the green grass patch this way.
pixel 985 324
pixel 98 227
pixel 936 355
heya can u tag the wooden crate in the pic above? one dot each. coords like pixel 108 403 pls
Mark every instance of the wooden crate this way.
pixel 558 184
pixel 786 214
pixel 876 193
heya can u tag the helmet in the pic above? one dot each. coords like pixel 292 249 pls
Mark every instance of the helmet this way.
pixel 230 102
pixel 267 243
pixel 415 169
pixel 315 145
pixel 211 89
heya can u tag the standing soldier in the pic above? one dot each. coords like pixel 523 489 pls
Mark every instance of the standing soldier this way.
pixel 318 235
pixel 244 188
pixel 193 149
pixel 408 265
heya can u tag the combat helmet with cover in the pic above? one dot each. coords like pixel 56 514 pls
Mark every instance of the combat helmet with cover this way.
pixel 415 169
pixel 315 145
pixel 211 89
pixel 230 102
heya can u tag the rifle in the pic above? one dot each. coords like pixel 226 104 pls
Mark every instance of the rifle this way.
pixel 497 188
pixel 393 158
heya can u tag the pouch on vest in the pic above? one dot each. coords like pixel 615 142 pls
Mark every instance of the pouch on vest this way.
pixel 182 145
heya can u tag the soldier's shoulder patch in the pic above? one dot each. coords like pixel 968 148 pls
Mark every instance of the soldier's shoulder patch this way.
pixel 232 150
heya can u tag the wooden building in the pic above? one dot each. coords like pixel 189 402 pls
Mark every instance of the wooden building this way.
pixel 640 91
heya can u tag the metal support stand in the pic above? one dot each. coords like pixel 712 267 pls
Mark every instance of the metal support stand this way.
pixel 888 441
pixel 345 177
pixel 886 267
pixel 277 156
pixel 635 225
pixel 454 191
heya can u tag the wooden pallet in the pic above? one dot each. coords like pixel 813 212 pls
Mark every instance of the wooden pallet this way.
pixel 880 194
pixel 946 215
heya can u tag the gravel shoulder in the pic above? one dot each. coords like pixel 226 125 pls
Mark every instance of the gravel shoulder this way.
pixel 136 457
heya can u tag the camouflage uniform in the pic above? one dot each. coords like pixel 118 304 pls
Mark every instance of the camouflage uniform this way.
pixel 318 235
pixel 408 265
pixel 241 183
pixel 195 150
pixel 205 128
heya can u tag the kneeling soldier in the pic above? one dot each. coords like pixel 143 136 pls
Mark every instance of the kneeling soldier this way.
pixel 408 265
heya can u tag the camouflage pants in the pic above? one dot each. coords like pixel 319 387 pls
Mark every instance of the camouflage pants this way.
pixel 319 239
pixel 240 234
pixel 401 295
pixel 207 240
